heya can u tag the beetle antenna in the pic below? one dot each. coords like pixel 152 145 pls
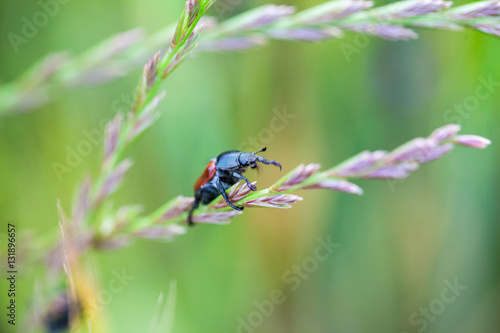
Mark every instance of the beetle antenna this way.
pixel 263 149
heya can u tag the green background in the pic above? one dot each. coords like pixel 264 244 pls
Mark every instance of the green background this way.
pixel 399 242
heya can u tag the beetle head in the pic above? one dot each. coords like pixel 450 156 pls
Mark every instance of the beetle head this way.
pixel 251 159
pixel 248 159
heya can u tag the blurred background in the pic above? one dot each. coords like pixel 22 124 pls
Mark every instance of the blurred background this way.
pixel 401 244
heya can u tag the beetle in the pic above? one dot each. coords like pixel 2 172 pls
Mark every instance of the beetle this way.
pixel 223 172
pixel 61 314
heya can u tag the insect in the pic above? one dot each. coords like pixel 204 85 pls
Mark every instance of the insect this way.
pixel 223 172
pixel 62 312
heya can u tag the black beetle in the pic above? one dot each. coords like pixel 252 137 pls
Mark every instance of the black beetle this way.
pixel 62 312
pixel 223 172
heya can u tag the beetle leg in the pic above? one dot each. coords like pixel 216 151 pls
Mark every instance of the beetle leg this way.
pixel 250 186
pixel 224 195
pixel 263 160
pixel 195 205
